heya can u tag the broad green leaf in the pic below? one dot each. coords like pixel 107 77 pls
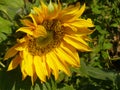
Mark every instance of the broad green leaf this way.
pixel 11 7
pixel 96 72
pixel 5 26
pixel 100 74
pixel 2 37
pixel 5 29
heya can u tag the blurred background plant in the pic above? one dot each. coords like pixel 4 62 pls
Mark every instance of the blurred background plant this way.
pixel 100 69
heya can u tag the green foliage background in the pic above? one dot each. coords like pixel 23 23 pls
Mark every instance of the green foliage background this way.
pixel 100 69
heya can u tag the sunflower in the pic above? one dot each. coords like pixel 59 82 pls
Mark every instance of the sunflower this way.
pixel 53 36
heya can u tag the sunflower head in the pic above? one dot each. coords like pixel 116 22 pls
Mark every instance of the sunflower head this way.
pixel 53 36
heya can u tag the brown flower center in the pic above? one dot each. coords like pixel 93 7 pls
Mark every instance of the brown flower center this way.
pixel 43 45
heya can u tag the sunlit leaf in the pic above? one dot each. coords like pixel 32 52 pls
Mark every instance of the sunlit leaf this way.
pixel 11 7
pixel 5 29
pixel 97 72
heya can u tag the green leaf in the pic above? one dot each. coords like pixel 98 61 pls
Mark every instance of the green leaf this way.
pixel 96 72
pixel 114 25
pixel 95 9
pixel 48 85
pixel 83 68
pixel 11 7
pixel 5 29
pixel 107 45
pixel 2 37
pixel 100 74
pixel 5 26
pixel 36 87
pixel 100 30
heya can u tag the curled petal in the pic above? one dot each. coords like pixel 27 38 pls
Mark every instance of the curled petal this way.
pixel 14 63
pixel 11 52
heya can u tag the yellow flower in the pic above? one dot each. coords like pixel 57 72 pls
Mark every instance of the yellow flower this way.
pixel 52 39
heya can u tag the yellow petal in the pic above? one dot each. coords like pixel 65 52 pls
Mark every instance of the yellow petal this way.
pixel 68 14
pixel 56 12
pixel 44 8
pixel 29 66
pixel 22 40
pixel 37 10
pixel 27 22
pixel 11 52
pixel 72 13
pixel 33 78
pixel 39 68
pixel 78 38
pixel 21 47
pixel 71 51
pixel 45 66
pixel 14 63
pixel 33 19
pixel 60 64
pixel 53 15
pixel 78 31
pixel 84 31
pixel 40 31
pixel 27 30
pixel 22 65
pixel 66 56
pixel 38 18
pixel 66 18
pixel 73 28
pixel 71 9
pixel 81 23
pixel 59 5
pixel 75 42
pixel 80 12
pixel 51 63
pixel 86 38
pixel 24 75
